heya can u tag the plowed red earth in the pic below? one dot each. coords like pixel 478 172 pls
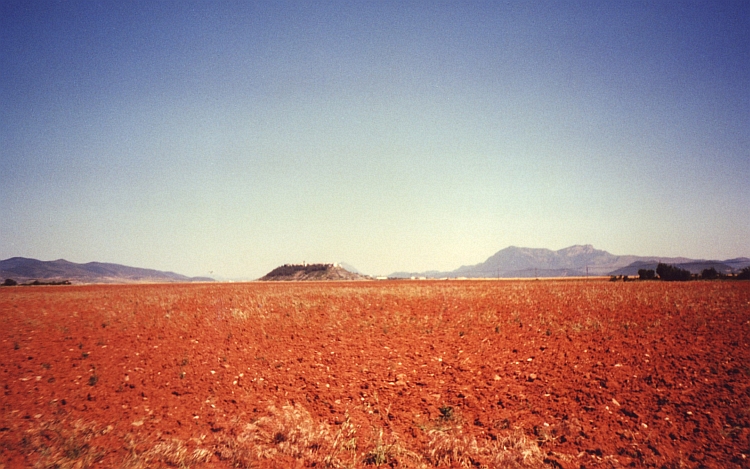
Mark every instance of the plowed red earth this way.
pixel 594 373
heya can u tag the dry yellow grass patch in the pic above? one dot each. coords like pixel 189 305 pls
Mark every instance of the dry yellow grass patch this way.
pixel 452 447
pixel 290 433
pixel 289 430
pixel 175 453
pixel 65 446
pixel 387 449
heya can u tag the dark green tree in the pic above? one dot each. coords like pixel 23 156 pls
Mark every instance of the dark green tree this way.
pixel 709 274
pixel 646 274
pixel 672 274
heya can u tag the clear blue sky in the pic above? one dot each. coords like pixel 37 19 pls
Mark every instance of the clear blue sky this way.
pixel 229 137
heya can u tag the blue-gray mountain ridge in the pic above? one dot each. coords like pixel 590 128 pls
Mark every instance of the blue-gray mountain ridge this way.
pixel 573 261
pixel 23 269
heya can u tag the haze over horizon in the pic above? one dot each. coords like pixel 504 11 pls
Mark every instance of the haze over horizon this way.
pixel 227 138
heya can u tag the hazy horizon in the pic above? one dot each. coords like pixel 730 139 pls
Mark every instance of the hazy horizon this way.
pixel 227 138
pixel 354 269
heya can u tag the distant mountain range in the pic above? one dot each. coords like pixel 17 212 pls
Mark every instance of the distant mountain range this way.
pixel 22 269
pixel 574 261
pixel 511 262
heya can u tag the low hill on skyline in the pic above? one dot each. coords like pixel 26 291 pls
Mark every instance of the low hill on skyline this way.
pixel 311 272
pixel 22 270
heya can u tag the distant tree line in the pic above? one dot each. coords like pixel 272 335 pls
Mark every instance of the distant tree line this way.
pixel 9 282
pixel 646 274
pixel 673 273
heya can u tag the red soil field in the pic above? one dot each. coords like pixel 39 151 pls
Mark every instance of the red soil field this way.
pixel 565 374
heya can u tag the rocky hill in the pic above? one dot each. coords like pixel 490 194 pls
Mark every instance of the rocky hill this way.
pixel 311 272
pixel 25 270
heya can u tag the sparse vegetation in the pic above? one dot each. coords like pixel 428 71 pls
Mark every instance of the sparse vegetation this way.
pixel 446 412
pixel 175 452
pixel 386 449
pixel 66 445
pixel 454 448
pixel 445 374
pixel 290 431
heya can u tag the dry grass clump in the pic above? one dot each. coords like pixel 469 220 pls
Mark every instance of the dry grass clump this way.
pixel 170 453
pixel 344 441
pixel 516 451
pixel 291 431
pixel 387 449
pixel 63 446
pixel 175 453
pixel 454 448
